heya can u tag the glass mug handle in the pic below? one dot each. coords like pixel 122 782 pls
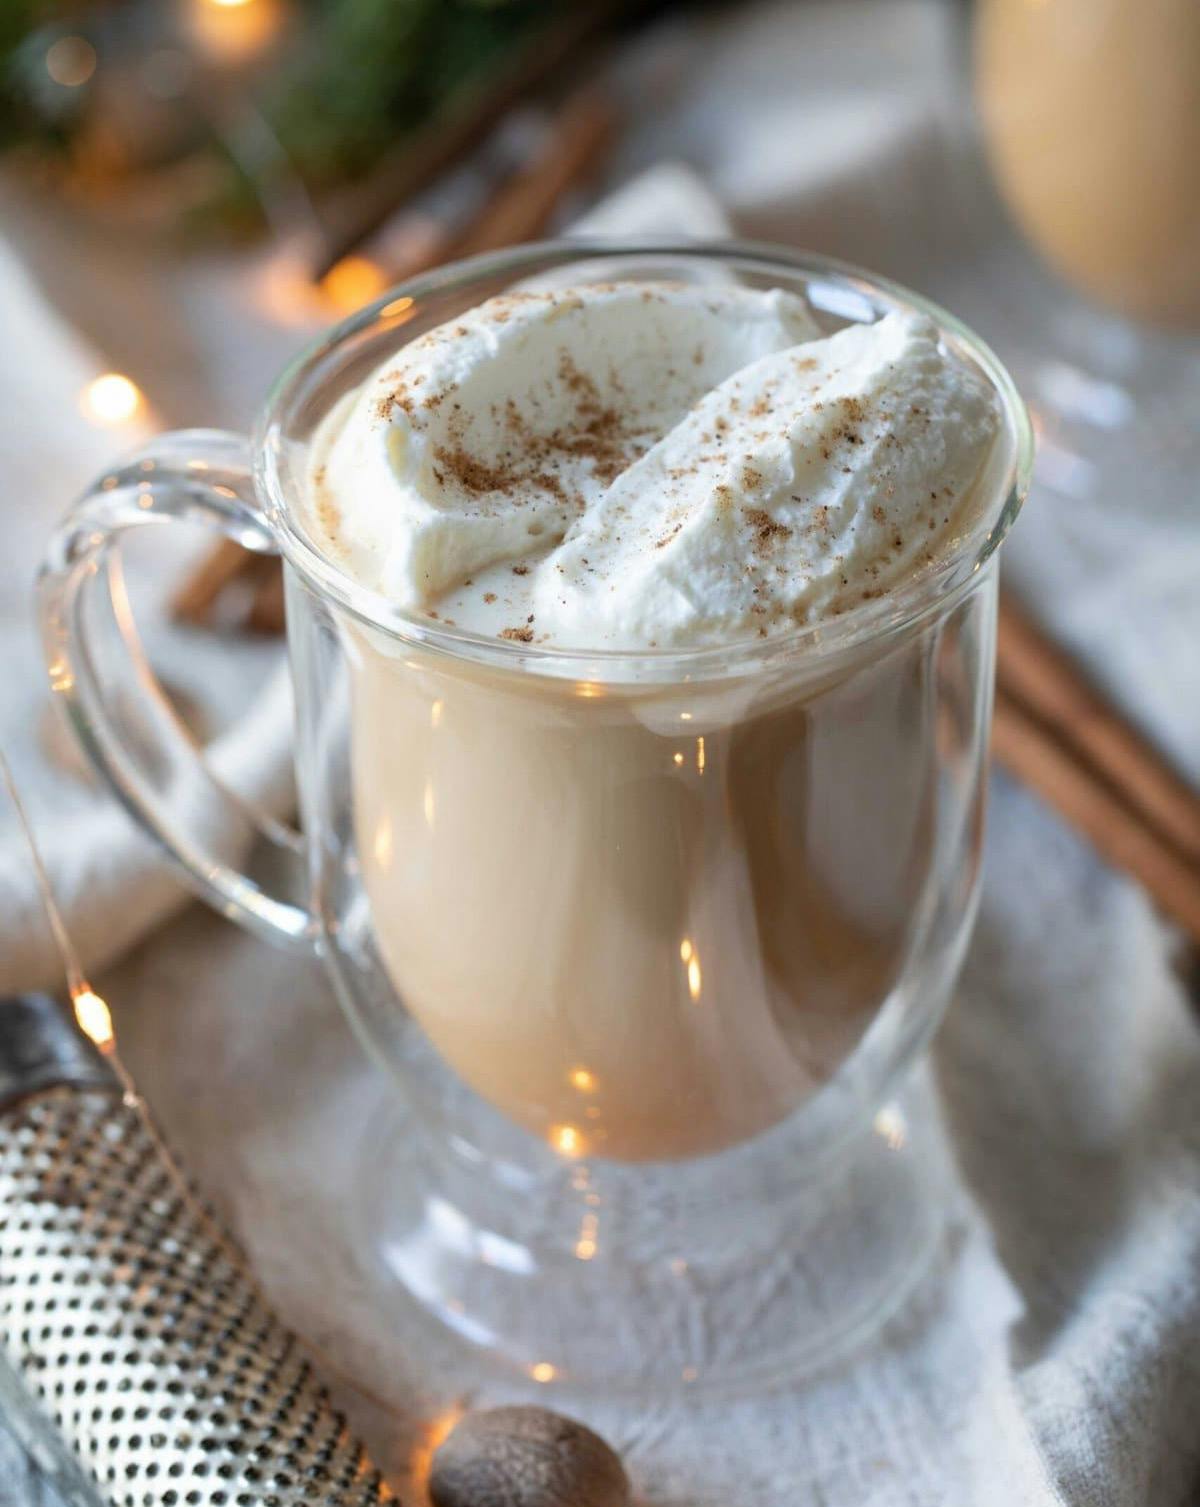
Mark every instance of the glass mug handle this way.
pixel 120 713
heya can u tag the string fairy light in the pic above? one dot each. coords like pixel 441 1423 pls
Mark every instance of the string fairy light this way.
pixel 353 282
pixel 111 400
pixel 235 31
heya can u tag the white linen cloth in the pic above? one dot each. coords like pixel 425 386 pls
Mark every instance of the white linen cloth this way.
pixel 1049 1356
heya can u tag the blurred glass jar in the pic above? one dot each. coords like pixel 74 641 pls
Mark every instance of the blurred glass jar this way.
pixel 1091 111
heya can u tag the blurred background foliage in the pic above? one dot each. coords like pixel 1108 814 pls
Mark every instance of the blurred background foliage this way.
pixel 106 90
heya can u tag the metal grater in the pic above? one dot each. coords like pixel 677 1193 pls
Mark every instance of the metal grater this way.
pixel 127 1316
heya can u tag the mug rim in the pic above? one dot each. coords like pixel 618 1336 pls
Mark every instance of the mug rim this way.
pixel 929 592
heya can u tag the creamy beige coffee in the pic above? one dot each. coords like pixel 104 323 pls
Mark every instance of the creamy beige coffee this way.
pixel 643 914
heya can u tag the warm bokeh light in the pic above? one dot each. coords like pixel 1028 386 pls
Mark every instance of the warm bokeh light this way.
pixel 566 1140
pixel 581 1079
pixel 585 1246
pixel 693 976
pixel 435 714
pixel 94 1018
pixel 383 843
pixel 685 950
pixel 543 1371
pixel 427 804
pixel 678 759
pixel 699 755
pixel 890 1128
pixel 433 1436
pixel 352 282
pixel 235 31
pixel 111 399
pixel 71 61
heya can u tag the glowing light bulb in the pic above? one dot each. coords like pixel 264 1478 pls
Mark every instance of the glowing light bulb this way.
pixel 890 1128
pixel 352 282
pixel 111 399
pixel 235 31
pixel 543 1371
pixel 566 1139
pixel 94 1018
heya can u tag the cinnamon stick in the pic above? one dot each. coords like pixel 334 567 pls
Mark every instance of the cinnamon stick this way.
pixel 196 598
pixel 1036 672
pixel 1029 749
pixel 266 613
pixel 454 131
pixel 524 205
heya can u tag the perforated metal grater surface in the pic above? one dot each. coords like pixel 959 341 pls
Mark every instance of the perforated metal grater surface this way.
pixel 127 1319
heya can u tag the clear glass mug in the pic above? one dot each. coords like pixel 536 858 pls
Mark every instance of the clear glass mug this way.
pixel 647 941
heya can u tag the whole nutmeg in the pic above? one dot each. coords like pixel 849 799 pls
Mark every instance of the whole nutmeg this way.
pixel 526 1457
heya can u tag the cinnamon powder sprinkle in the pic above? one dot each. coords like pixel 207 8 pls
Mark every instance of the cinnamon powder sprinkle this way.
pixel 767 530
pixel 518 635
pixel 472 474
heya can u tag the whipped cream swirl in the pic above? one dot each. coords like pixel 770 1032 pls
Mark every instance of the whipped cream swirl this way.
pixel 650 465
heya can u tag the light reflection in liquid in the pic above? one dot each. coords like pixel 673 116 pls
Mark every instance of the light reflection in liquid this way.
pixel 383 843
